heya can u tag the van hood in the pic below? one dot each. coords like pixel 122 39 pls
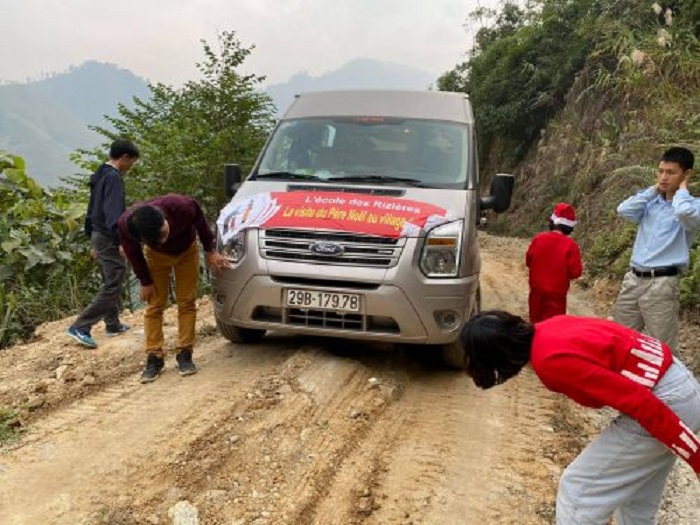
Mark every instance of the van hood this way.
pixel 387 211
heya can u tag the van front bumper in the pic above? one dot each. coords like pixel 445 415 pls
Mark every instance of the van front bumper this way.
pixel 429 313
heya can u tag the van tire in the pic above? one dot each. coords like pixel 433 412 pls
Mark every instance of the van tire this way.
pixel 240 335
pixel 453 353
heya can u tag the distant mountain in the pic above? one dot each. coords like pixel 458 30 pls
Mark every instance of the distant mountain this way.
pixel 358 74
pixel 41 131
pixel 46 120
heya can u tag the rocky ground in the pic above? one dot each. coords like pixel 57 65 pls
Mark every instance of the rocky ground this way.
pixel 293 430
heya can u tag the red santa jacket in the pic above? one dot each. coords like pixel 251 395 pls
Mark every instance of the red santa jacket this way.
pixel 553 259
pixel 600 363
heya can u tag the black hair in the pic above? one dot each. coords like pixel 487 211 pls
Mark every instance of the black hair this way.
pixel 145 224
pixel 566 230
pixel 683 156
pixel 121 147
pixel 497 346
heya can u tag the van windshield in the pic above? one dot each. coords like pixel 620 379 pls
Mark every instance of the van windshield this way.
pixel 354 149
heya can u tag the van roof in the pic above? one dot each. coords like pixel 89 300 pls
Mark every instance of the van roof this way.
pixel 429 105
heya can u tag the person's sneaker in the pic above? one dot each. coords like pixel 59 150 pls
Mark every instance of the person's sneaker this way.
pixel 117 329
pixel 154 366
pixel 83 337
pixel 184 362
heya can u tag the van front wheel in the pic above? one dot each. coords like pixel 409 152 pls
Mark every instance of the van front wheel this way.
pixel 240 335
pixel 453 353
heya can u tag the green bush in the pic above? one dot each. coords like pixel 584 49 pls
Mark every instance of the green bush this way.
pixel 46 272
pixel 10 425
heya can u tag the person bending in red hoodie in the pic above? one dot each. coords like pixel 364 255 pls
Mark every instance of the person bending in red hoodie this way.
pixel 553 259
pixel 599 363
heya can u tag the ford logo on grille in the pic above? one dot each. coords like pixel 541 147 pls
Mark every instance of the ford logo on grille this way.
pixel 326 248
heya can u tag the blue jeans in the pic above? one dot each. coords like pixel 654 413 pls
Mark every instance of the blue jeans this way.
pixel 624 469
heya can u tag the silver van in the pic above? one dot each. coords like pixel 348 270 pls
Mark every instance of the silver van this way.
pixel 358 221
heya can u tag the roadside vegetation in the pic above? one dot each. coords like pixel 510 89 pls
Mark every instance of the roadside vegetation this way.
pixel 45 268
pixel 185 135
pixel 10 426
pixel 579 100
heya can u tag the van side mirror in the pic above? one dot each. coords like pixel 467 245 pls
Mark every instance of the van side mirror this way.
pixel 232 179
pixel 501 192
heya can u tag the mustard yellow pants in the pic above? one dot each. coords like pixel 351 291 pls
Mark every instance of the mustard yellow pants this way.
pixel 186 269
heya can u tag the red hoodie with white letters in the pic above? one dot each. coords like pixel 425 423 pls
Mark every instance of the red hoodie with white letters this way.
pixel 599 363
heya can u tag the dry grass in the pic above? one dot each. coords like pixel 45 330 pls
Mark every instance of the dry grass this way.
pixel 111 516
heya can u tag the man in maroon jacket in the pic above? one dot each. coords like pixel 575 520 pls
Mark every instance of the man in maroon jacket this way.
pixel 553 259
pixel 599 363
pixel 159 238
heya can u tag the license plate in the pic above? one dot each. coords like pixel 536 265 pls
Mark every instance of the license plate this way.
pixel 338 302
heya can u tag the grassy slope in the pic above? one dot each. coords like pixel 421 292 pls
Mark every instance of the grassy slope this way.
pixel 602 148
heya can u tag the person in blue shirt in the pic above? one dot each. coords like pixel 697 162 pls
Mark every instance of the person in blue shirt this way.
pixel 668 217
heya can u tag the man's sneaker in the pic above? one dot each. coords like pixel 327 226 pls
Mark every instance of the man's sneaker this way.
pixel 154 366
pixel 117 329
pixel 184 362
pixel 83 337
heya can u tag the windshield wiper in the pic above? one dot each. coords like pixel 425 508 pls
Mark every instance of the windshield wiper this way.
pixel 382 179
pixel 286 175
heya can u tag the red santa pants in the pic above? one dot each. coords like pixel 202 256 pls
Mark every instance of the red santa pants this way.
pixel 545 305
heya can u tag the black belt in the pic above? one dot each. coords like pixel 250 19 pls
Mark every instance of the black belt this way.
pixel 666 271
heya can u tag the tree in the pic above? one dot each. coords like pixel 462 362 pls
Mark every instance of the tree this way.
pixel 520 70
pixel 187 134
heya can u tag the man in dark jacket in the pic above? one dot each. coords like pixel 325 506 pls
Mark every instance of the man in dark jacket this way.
pixel 107 203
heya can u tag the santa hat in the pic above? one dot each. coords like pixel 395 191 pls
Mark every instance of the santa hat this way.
pixel 564 214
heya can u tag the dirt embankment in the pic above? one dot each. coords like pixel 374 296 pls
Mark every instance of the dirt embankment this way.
pixel 291 431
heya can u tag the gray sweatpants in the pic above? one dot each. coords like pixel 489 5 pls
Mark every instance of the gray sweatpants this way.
pixel 650 305
pixel 624 469
pixel 113 268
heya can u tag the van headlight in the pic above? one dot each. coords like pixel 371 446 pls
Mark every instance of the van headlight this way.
pixel 441 252
pixel 234 248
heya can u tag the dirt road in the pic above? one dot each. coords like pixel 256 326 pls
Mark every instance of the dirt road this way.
pixel 292 431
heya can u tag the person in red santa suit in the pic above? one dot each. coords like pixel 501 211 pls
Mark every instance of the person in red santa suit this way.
pixel 598 363
pixel 553 259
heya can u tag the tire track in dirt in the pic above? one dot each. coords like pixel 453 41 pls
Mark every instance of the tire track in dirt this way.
pixel 273 457
pixel 452 460
pixel 96 443
pixel 447 452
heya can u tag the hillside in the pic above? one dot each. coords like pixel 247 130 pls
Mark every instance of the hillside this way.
pixel 586 118
pixel 42 131
pixel 603 147
pixel 92 89
pixel 46 120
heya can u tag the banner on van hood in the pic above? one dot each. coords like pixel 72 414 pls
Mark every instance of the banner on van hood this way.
pixel 366 214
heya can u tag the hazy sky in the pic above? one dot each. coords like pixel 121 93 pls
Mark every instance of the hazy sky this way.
pixel 160 39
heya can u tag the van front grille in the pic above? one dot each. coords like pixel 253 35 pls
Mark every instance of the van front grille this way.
pixel 351 249
pixel 326 319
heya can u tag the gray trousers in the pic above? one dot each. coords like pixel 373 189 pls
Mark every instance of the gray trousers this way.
pixel 624 470
pixel 113 269
pixel 650 305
